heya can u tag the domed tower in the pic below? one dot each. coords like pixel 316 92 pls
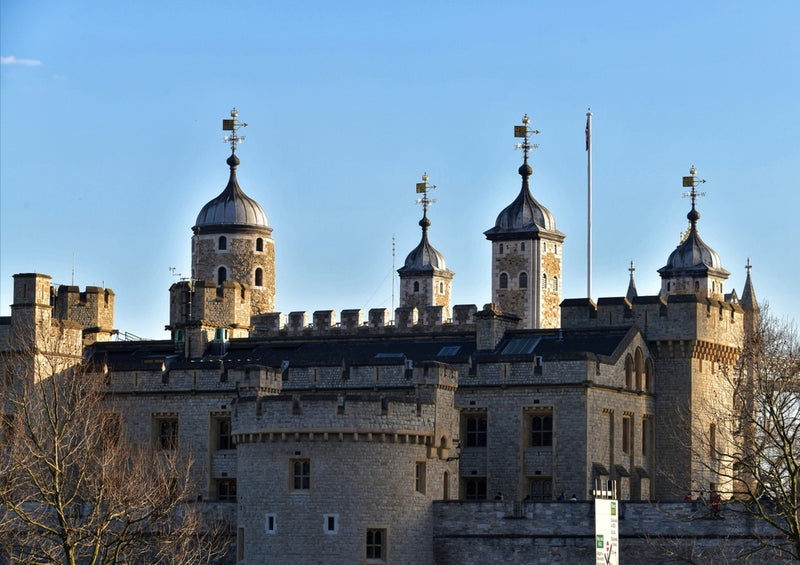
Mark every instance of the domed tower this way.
pixel 232 238
pixel 526 253
pixel 425 279
pixel 693 267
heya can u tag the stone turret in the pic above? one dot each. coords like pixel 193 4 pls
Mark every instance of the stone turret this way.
pixel 233 240
pixel 526 256
pixel 425 279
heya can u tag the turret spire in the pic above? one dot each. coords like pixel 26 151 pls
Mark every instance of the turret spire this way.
pixel 525 131
pixel 632 293
pixel 232 126
pixel 692 181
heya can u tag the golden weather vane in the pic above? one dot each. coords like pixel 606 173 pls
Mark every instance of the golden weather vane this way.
pixel 423 188
pixel 525 131
pixel 692 181
pixel 232 126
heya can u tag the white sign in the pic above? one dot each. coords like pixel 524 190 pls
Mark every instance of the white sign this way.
pixel 606 532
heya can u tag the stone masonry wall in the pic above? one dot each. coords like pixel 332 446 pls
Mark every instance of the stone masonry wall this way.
pixel 475 533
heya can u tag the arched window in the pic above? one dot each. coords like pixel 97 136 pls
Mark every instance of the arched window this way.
pixel 222 275
pixel 441 288
pixel 639 368
pixel 523 280
pixel 259 277
pixel 648 376
pixel 544 281
pixel 259 244
pixel 501 249
pixel 223 243
pixel 628 372
pixel 416 286
pixel 555 282
pixel 503 280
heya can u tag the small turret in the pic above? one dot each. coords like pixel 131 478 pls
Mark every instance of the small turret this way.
pixel 425 279
pixel 693 267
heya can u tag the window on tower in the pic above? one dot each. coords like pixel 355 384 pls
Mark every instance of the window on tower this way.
pixel 544 281
pixel 523 280
pixel 223 243
pixel 222 275
pixel 259 277
pixel 503 280
pixel 555 282
pixel 259 244
pixel 416 286
pixel 500 249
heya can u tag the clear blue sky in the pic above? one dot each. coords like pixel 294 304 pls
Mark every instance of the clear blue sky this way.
pixel 111 141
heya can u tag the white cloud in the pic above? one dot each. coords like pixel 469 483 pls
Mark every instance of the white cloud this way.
pixel 11 60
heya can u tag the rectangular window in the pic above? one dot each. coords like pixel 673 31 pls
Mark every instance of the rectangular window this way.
pixel 270 523
pixel 301 474
pixel 222 429
pixel 647 425
pixel 166 432
pixel 330 524
pixel 712 441
pixel 476 431
pixel 627 434
pixel 376 544
pixel 475 488
pixel 226 489
pixel 419 477
pixel 542 430
pixel 541 488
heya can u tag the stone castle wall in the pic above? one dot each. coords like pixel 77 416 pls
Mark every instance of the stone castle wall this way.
pixel 474 533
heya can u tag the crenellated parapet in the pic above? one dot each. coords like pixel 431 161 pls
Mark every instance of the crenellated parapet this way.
pixel 225 305
pixel 676 317
pixel 92 309
pixel 377 321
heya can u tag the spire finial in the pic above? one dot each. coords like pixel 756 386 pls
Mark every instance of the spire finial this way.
pixel 232 126
pixel 692 181
pixel 423 188
pixel 525 131
pixel 748 266
pixel 632 269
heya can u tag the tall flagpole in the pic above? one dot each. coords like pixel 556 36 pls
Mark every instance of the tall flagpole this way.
pixel 589 226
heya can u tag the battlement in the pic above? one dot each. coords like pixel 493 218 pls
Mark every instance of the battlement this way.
pixel 92 309
pixel 678 317
pixel 323 322
pixel 224 305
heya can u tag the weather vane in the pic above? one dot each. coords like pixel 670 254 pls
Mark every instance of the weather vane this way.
pixel 232 125
pixel 525 131
pixel 423 188
pixel 692 182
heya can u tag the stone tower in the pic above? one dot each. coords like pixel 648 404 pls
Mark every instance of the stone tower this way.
pixel 697 340
pixel 425 279
pixel 526 254
pixel 232 239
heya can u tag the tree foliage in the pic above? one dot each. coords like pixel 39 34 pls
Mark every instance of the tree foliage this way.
pixel 74 488
pixel 752 446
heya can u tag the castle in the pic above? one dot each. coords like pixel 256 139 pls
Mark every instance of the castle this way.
pixel 333 439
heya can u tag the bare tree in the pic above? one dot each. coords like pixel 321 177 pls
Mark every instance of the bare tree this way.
pixel 74 488
pixel 750 446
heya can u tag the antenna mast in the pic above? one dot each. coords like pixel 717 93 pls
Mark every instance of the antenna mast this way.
pixel 393 271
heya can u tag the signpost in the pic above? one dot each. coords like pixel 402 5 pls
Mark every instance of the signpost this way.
pixel 606 526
